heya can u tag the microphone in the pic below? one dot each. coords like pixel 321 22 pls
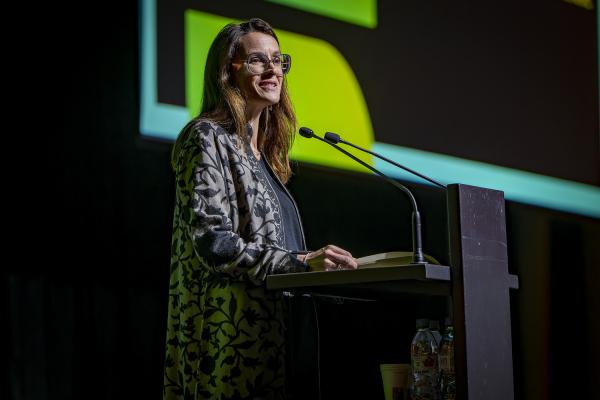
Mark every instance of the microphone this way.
pixel 418 257
pixel 335 138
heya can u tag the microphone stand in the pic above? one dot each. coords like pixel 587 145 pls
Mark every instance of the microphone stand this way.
pixel 418 257
pixel 335 138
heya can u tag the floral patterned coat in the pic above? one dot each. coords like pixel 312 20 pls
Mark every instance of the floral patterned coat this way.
pixel 225 334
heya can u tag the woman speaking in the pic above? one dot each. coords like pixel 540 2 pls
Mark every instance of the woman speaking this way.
pixel 234 224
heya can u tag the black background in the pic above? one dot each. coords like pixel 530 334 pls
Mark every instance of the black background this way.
pixel 87 287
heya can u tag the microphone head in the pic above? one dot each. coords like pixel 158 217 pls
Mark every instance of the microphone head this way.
pixel 332 137
pixel 306 132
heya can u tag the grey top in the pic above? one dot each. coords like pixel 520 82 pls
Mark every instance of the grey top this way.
pixel 289 217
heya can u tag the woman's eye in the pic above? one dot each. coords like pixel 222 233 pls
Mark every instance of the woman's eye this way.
pixel 255 60
pixel 276 60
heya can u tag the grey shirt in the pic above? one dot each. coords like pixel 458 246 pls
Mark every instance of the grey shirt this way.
pixel 289 217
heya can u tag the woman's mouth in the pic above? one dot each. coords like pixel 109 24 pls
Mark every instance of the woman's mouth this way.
pixel 268 85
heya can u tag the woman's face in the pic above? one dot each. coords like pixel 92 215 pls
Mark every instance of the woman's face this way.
pixel 264 88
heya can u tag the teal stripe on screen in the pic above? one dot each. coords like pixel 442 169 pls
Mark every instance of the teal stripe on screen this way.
pixel 156 119
pixel 521 186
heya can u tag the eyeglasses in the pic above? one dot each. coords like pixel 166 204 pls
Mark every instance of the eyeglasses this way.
pixel 258 63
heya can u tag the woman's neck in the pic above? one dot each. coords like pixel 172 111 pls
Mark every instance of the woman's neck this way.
pixel 253 118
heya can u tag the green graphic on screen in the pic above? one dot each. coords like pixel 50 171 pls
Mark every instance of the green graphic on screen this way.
pixel 358 12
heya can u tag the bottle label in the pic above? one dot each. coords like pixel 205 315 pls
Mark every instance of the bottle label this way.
pixel 424 370
pixel 447 363
pixel 424 363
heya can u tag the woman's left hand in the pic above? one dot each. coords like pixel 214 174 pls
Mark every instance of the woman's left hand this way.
pixel 330 258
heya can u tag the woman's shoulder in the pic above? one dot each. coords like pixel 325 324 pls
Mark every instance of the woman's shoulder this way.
pixel 205 127
pixel 200 131
pixel 200 137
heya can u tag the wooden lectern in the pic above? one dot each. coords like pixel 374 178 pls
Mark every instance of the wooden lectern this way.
pixel 477 285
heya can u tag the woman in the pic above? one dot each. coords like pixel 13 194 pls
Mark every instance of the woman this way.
pixel 234 224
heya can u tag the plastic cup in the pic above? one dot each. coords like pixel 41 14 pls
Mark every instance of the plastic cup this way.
pixel 395 381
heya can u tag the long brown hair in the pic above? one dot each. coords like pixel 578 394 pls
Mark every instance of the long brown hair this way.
pixel 223 102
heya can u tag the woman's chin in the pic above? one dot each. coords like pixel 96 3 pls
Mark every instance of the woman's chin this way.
pixel 269 100
pixel 264 99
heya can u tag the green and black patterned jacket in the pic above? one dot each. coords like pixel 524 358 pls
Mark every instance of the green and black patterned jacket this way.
pixel 225 335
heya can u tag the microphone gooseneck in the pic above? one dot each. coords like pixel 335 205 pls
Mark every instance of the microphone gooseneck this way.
pixel 416 220
pixel 335 138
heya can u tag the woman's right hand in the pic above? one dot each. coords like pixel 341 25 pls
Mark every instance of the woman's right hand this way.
pixel 330 258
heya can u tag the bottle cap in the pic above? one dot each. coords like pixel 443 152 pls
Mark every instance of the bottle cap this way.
pixel 422 323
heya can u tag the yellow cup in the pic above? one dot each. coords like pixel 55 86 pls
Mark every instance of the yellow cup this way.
pixel 395 381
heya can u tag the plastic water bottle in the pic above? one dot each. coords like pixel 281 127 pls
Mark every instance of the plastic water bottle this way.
pixel 447 386
pixel 434 327
pixel 424 363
